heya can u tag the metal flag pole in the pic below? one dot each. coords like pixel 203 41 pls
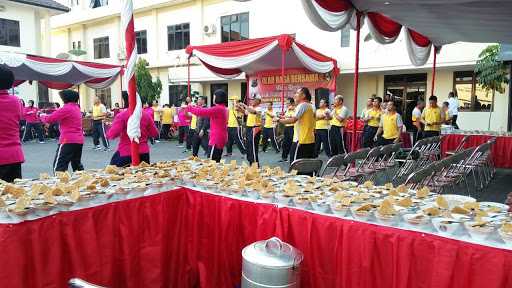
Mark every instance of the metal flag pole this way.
pixel 356 82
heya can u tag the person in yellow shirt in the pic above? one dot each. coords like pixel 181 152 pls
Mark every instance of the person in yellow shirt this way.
pixel 167 121
pixel 304 126
pixel 448 118
pixel 322 116
pixel 339 115
pixel 432 117
pixel 269 131
pixel 99 114
pixel 234 130
pixel 416 120
pixel 372 120
pixel 390 126
pixel 254 114
pixel 157 118
pixel 286 145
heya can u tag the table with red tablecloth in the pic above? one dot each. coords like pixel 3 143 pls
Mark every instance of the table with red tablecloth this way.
pixel 501 150
pixel 405 138
pixel 187 238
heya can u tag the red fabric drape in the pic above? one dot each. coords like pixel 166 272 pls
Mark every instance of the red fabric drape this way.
pixel 501 151
pixel 56 85
pixel 418 39
pixel 386 26
pixel 184 238
pixel 235 48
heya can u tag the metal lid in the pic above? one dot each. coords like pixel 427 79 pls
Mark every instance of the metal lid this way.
pixel 272 253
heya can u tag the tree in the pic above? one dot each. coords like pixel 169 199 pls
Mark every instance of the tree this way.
pixel 148 89
pixel 491 73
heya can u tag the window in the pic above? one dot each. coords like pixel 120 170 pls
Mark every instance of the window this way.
pixel 79 45
pixel 74 3
pixel 235 27
pixel 472 97
pixel 105 97
pixel 345 37
pixel 178 36
pixel 177 93
pixel 142 42
pixel 9 32
pixel 101 48
pixel 74 45
pixel 98 3
pixel 42 93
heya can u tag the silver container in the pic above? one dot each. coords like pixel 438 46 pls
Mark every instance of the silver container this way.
pixel 271 264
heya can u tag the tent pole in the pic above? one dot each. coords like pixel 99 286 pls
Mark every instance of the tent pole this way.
pixel 356 82
pixel 188 76
pixel 283 56
pixel 434 71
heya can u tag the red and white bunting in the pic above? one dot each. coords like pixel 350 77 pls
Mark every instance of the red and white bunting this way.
pixel 135 104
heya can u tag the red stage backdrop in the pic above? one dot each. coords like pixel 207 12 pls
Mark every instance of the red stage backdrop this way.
pixel 268 84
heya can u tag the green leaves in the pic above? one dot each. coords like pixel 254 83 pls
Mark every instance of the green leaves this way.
pixel 148 89
pixel 491 73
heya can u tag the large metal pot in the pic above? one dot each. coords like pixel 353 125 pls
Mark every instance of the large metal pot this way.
pixel 271 263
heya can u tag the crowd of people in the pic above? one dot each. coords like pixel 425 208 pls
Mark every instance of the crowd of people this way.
pixel 307 131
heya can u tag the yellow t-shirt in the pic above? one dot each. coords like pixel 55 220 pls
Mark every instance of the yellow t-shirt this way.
pixel 167 115
pixel 156 113
pixel 193 122
pixel 375 120
pixel 338 111
pixel 304 128
pixel 431 115
pixel 98 111
pixel 268 119
pixel 289 113
pixel 254 119
pixel 321 123
pixel 390 126
pixel 232 121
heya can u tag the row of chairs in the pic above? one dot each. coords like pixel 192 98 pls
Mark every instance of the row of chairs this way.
pixel 467 165
pixel 364 164
pixel 424 152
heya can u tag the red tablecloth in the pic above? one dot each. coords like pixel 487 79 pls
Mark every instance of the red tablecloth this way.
pixel 186 238
pixel 501 151
pixel 405 138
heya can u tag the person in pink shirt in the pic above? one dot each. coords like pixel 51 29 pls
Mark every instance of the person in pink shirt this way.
pixel 184 126
pixel 71 139
pixel 11 113
pixel 122 157
pixel 31 115
pixel 151 113
pixel 218 115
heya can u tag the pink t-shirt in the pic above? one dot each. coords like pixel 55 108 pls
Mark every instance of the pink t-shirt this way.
pixel 150 112
pixel 183 118
pixel 69 118
pixel 118 129
pixel 218 115
pixel 30 114
pixel 11 112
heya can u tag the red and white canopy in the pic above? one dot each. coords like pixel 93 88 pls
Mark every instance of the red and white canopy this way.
pixel 228 60
pixel 332 15
pixel 58 73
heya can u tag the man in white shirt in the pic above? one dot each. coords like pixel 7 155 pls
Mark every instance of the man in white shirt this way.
pixel 453 108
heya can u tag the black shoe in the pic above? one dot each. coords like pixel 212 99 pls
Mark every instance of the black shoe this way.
pixel 283 160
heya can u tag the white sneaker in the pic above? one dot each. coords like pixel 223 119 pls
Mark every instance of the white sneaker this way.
pixel 97 147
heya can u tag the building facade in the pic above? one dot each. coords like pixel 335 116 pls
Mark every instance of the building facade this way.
pixel 165 28
pixel 25 28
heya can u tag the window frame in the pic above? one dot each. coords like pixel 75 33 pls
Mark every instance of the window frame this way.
pixel 103 47
pixel 344 35
pixel 239 17
pixel 14 27
pixel 474 83
pixel 174 32
pixel 142 49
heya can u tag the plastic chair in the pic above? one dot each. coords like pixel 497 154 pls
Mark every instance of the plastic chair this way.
pixel 79 283
pixel 334 163
pixel 306 166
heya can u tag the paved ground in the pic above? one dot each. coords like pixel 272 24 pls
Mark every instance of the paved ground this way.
pixel 39 159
